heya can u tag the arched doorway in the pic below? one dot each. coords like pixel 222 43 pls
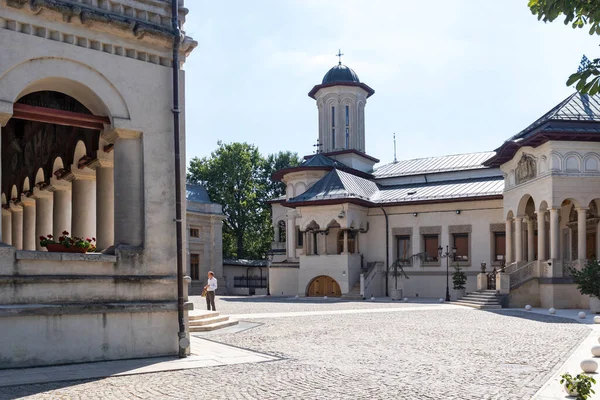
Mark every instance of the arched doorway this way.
pixel 324 286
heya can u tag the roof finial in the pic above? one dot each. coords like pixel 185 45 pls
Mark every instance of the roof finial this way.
pixel 340 54
pixel 318 145
pixel 395 160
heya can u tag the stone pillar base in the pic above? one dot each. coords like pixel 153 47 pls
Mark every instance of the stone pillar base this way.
pixel 502 283
pixel 481 281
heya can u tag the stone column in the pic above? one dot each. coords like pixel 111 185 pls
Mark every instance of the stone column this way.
pixel 305 243
pixel 291 236
pixel 581 233
pixel 105 206
pixel 128 186
pixel 323 243
pixel 509 241
pixel 17 226
pixel 554 234
pixel 345 242
pixel 541 216
pixel 43 215
pixel 83 218
pixel 61 212
pixel 530 240
pixel 598 241
pixel 29 237
pixel 518 239
pixel 6 226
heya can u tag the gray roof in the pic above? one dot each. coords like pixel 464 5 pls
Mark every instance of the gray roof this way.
pixel 336 185
pixel 339 185
pixel 464 188
pixel 340 73
pixel 196 193
pixel 432 165
pixel 575 108
pixel 320 160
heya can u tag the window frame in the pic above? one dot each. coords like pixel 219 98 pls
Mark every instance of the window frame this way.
pixel 281 234
pixel 197 231
pixel 195 266
pixel 407 238
pixel 435 261
pixel 466 236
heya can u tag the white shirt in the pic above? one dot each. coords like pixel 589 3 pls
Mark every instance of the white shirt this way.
pixel 212 284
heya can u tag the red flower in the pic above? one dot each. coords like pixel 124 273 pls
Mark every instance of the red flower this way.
pixel 65 233
pixel 50 236
pixel 88 240
pixel 94 239
pixel 42 238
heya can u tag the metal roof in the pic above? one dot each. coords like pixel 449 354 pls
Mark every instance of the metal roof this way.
pixel 320 160
pixel 576 107
pixel 196 193
pixel 337 185
pixel 340 73
pixel 432 165
pixel 478 187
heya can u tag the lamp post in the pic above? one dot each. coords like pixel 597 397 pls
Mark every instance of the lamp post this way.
pixel 447 255
pixel 269 260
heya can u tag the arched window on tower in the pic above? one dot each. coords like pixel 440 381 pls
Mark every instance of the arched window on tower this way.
pixel 347 126
pixel 281 229
pixel 332 127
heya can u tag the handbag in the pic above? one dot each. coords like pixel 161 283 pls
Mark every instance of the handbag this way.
pixel 204 293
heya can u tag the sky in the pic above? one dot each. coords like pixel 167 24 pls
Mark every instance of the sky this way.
pixel 451 77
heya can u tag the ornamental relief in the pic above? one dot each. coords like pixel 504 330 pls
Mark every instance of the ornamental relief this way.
pixel 459 229
pixel 497 227
pixel 426 230
pixel 402 231
pixel 526 169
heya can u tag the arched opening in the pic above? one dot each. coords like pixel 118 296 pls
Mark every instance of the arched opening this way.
pixel 351 241
pixel 281 231
pixel 323 285
pixel 590 229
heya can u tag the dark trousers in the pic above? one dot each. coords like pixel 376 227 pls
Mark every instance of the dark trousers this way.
pixel 210 301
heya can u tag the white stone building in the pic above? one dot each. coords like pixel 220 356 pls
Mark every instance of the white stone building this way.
pixel 87 146
pixel 530 206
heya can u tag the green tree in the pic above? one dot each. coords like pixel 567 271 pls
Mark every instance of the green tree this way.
pixel 578 13
pixel 274 163
pixel 233 176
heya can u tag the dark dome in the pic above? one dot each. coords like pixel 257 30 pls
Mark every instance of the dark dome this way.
pixel 340 73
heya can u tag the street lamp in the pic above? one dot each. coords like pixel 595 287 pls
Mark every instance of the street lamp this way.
pixel 269 260
pixel 447 255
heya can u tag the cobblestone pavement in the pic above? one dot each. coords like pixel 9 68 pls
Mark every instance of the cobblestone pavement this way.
pixel 443 353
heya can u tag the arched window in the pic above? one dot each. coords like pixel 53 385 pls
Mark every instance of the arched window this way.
pixel 281 229
pixel 351 242
pixel 332 127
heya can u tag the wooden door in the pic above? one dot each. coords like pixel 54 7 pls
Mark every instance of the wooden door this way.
pixel 324 286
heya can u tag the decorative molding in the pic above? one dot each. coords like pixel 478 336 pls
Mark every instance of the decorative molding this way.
pixel 497 227
pixel 80 41
pixel 430 230
pixel 526 169
pixel 408 231
pixel 112 134
pixel 460 229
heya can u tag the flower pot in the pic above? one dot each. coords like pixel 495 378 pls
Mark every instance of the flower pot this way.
pixel 594 305
pixel 396 294
pixel 59 248
pixel 571 393
pixel 458 294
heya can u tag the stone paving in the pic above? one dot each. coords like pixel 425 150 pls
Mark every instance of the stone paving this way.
pixel 434 353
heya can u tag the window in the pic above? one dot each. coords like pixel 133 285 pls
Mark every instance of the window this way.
pixel 300 237
pixel 195 266
pixel 403 249
pixel 332 127
pixel 351 242
pixel 347 126
pixel 431 243
pixel 252 282
pixel 194 232
pixel 499 246
pixel 281 229
pixel 461 242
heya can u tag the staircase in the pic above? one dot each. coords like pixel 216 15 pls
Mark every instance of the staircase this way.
pixel 484 300
pixel 204 321
pixel 353 294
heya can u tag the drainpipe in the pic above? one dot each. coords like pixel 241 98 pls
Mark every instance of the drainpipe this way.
pixel 183 340
pixel 387 249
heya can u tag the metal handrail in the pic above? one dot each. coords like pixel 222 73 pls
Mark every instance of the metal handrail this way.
pixel 522 275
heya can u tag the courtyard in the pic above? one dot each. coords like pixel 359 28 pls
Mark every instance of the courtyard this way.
pixel 328 349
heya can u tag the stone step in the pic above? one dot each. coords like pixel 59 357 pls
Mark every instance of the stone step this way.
pixel 352 297
pixel 196 315
pixel 481 303
pixel 208 321
pixel 481 296
pixel 214 326
pixel 479 306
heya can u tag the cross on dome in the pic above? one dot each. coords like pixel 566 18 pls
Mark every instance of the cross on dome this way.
pixel 340 54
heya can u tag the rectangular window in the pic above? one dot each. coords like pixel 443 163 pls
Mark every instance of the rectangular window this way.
pixel 195 266
pixel 194 232
pixel 403 250
pixel 347 116
pixel 300 237
pixel 461 242
pixel 347 137
pixel 333 127
pixel 499 246
pixel 431 244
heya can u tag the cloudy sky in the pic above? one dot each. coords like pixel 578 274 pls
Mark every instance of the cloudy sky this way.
pixel 450 76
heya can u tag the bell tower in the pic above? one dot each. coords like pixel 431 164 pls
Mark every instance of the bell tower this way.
pixel 341 100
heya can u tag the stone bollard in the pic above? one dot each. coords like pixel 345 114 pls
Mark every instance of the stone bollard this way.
pixel 502 283
pixel 481 281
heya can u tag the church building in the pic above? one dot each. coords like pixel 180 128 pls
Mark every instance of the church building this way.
pixel 528 208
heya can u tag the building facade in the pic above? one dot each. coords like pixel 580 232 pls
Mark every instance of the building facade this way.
pixel 87 147
pixel 530 207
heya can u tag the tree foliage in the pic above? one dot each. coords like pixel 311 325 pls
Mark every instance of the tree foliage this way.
pixel 239 178
pixel 580 14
